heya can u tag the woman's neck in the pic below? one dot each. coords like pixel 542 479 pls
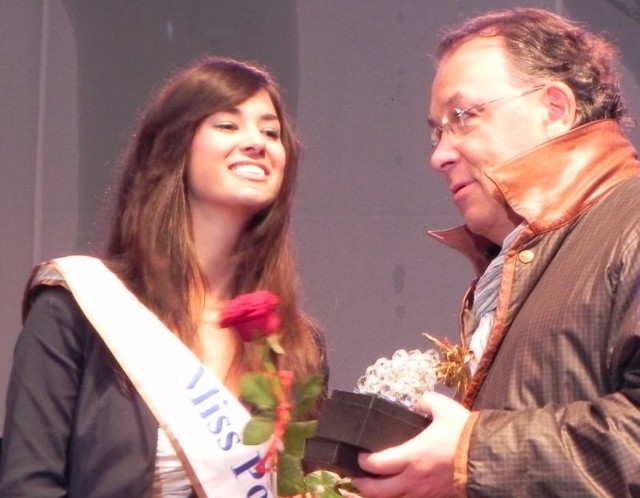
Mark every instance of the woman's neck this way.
pixel 215 242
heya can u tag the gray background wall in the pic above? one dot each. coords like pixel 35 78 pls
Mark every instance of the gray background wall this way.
pixel 73 74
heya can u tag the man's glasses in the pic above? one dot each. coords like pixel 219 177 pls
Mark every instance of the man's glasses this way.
pixel 456 122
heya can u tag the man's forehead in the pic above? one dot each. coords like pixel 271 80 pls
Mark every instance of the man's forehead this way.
pixel 479 58
pixel 475 69
pixel 476 44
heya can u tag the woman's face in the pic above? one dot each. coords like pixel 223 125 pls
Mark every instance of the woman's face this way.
pixel 237 160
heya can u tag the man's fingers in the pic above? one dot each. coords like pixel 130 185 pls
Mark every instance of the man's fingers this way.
pixel 373 487
pixel 385 462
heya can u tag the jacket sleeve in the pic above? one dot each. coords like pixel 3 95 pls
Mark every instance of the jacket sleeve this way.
pixel 587 447
pixel 43 388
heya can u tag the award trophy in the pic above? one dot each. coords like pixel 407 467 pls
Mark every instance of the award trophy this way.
pixel 376 416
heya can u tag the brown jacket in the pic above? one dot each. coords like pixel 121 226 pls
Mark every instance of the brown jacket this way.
pixel 556 397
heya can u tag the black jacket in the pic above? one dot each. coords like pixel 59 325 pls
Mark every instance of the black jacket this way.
pixel 74 428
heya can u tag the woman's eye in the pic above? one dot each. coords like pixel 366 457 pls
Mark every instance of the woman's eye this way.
pixel 226 125
pixel 272 133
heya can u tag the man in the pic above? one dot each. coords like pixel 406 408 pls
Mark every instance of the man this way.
pixel 526 116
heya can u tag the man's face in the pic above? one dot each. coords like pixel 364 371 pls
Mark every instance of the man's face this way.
pixel 476 73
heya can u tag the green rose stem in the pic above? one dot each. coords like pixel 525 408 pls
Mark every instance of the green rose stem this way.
pixel 281 384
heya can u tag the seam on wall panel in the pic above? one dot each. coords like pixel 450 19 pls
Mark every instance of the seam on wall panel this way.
pixel 39 166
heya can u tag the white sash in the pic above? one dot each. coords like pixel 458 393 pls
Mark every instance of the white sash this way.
pixel 194 408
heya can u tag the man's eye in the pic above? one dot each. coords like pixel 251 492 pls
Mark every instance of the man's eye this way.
pixel 460 117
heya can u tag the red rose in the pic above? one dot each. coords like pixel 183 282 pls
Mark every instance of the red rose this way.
pixel 253 315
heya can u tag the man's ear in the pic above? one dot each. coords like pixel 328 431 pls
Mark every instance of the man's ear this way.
pixel 561 107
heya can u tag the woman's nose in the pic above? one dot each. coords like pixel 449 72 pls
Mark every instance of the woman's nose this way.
pixel 253 140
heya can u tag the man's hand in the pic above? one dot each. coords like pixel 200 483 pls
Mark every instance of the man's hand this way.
pixel 423 466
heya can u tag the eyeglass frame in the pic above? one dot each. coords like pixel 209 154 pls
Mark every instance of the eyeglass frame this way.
pixel 454 121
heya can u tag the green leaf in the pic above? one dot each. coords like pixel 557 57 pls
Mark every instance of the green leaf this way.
pixel 255 388
pixel 323 484
pixel 258 429
pixel 346 484
pixel 295 435
pixel 290 479
pixel 307 393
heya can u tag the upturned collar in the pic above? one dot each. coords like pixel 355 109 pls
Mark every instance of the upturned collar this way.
pixel 551 184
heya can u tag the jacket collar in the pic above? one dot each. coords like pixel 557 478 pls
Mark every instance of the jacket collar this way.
pixel 552 183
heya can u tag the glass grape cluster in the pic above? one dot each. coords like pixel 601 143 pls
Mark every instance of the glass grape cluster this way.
pixel 403 378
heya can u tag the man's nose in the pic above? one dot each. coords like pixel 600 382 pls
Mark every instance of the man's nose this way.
pixel 444 155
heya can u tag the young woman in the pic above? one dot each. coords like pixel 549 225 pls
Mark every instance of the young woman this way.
pixel 107 399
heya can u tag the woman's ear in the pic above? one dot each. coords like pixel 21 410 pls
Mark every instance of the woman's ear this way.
pixel 561 107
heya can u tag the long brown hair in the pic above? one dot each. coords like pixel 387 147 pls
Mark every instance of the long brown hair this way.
pixel 151 245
